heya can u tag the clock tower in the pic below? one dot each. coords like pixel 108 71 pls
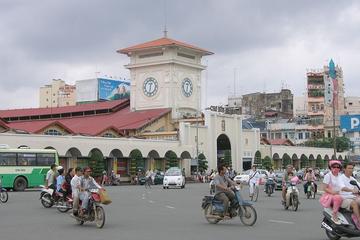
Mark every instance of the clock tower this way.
pixel 165 73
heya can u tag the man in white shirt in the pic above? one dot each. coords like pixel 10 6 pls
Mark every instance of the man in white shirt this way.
pixel 254 177
pixel 50 177
pixel 75 188
pixel 350 200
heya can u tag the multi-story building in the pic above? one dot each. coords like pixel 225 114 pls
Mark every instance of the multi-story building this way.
pixel 300 107
pixel 57 94
pixel 262 105
pixel 319 107
pixel 352 105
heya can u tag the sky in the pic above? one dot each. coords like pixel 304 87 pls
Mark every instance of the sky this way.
pixel 258 45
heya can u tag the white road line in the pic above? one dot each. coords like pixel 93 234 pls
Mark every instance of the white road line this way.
pixel 150 201
pixel 278 221
pixel 170 207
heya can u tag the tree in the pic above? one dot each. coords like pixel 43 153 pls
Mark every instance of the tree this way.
pixel 266 162
pixel 257 159
pixel 171 160
pixel 96 163
pixel 202 163
pixel 342 143
pixel 136 163
pixel 304 161
pixel 319 162
pixel 346 160
pixel 286 160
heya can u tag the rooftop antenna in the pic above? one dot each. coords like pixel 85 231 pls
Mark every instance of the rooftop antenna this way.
pixel 165 20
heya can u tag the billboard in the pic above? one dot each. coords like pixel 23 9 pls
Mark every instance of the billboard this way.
pixel 110 89
pixel 350 123
pixel 86 90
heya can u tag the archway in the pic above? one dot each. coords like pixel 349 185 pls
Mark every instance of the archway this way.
pixel 96 162
pixel 304 161
pixel 257 159
pixel 286 160
pixel 312 162
pixel 137 162
pixel 223 147
pixel 154 161
pixel 74 158
pixel 296 161
pixel 277 161
pixel 340 158
pixel 319 162
pixel 116 162
pixel 171 159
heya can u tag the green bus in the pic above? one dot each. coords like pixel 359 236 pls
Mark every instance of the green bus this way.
pixel 25 168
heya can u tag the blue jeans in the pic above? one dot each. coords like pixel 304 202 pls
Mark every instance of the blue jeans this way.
pixel 84 197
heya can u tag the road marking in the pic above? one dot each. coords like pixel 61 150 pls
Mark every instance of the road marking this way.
pixel 170 207
pixel 278 221
pixel 150 201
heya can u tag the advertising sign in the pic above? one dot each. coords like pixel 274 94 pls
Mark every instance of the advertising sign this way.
pixel 110 89
pixel 350 123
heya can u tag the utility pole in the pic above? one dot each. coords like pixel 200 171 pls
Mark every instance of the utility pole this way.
pixel 334 128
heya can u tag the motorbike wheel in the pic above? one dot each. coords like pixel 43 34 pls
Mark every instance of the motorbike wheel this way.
pixel 80 222
pixel 100 217
pixel 332 236
pixel 4 196
pixel 248 215
pixel 208 214
pixel 294 203
pixel 48 201
pixel 308 194
pixel 62 206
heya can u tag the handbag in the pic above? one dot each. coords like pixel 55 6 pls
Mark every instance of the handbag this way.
pixel 104 197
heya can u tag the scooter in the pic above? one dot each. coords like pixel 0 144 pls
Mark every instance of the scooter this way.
pixel 214 209
pixel 49 199
pixel 95 212
pixel 346 228
pixel 292 197
pixel 310 190
pixel 269 186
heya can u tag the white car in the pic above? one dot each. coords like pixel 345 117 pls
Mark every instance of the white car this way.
pixel 174 178
pixel 244 177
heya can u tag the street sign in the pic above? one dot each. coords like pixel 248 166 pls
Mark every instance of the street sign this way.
pixel 350 123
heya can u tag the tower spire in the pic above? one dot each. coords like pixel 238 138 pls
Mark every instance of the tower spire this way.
pixel 165 20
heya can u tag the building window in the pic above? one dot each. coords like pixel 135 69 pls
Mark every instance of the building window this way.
pixel 300 135
pixel 329 134
pixel 307 135
pixel 109 135
pixel 53 132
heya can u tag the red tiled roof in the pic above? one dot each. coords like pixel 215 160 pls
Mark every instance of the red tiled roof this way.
pixel 162 42
pixel 62 110
pixel 286 142
pixel 93 125
pixel 3 124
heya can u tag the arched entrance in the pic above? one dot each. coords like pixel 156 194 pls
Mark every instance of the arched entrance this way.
pixel 296 161
pixel 171 159
pixel 96 162
pixel 116 162
pixel 154 162
pixel 312 162
pixel 74 158
pixel 277 161
pixel 223 147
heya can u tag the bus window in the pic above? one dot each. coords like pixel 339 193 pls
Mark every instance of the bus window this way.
pixel 27 159
pixel 7 159
pixel 45 159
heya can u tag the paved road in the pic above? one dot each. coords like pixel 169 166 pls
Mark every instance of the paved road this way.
pixel 137 213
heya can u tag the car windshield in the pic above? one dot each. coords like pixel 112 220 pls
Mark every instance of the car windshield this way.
pixel 173 172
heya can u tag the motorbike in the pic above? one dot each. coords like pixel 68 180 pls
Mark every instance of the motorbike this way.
pixel 214 209
pixel 346 228
pixel 94 212
pixel 310 192
pixel 49 199
pixel 4 197
pixel 292 197
pixel 269 186
pixel 212 187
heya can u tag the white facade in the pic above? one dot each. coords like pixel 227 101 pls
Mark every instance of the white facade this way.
pixel 87 90
pixel 300 106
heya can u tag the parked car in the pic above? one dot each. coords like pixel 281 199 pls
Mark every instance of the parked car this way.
pixel 244 177
pixel 278 180
pixel 159 178
pixel 174 178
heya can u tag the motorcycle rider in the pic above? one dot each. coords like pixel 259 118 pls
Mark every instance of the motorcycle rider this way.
pixel 350 200
pixel 270 175
pixel 60 180
pixel 254 177
pixel 309 178
pixel 50 177
pixel 75 188
pixel 289 170
pixel 86 183
pixel 223 190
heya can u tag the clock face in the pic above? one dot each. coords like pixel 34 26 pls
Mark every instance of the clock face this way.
pixel 187 87
pixel 150 87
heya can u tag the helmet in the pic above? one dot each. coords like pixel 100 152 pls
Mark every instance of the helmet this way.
pixel 333 162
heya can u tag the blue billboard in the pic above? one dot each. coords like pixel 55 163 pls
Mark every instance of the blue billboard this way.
pixel 350 123
pixel 110 89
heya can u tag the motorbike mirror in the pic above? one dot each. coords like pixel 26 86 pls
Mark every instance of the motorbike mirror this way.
pixel 353 182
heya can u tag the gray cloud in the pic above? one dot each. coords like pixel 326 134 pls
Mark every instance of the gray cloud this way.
pixel 270 43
